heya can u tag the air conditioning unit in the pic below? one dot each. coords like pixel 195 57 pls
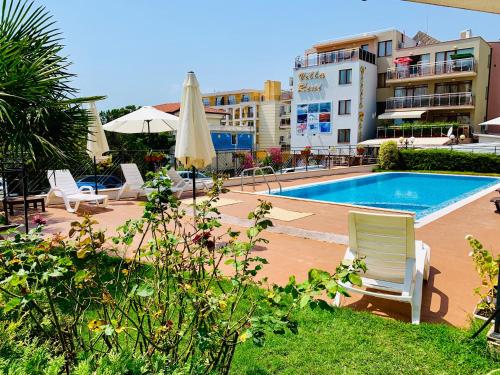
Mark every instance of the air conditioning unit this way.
pixel 466 34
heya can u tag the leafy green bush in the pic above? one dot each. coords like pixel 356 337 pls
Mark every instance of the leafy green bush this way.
pixel 448 160
pixel 388 156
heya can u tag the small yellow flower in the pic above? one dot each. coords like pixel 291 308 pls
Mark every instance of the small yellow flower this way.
pixel 222 305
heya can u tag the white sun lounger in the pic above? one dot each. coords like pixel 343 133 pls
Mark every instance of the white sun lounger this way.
pixel 63 185
pixel 396 263
pixel 181 185
pixel 133 181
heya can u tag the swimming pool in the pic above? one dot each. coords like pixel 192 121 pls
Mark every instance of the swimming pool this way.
pixel 420 193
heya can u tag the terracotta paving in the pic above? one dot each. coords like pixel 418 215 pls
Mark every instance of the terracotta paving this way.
pixel 448 295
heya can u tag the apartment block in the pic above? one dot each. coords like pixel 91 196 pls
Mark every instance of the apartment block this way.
pixel 419 79
pixel 265 114
pixel 334 95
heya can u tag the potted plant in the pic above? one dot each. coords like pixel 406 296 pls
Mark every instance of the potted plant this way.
pixel 487 268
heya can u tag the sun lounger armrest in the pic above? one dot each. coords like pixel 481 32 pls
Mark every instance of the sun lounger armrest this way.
pixel 59 190
pixel 87 188
pixel 410 274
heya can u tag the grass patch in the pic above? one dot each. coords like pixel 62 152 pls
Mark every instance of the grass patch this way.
pixel 350 342
pixel 440 172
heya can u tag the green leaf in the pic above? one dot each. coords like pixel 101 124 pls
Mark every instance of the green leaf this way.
pixel 252 232
pixel 12 304
pixel 355 279
pixel 304 301
pixel 144 291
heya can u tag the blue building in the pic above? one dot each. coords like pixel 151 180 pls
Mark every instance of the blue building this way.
pixel 227 141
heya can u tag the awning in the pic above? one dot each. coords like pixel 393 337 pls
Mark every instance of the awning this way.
pixel 495 121
pixel 423 141
pixel 401 115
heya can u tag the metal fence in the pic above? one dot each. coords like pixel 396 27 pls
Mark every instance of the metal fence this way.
pixel 18 174
pixel 107 173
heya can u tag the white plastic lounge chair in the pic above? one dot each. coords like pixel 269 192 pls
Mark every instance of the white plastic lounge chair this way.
pixel 63 185
pixel 133 181
pixel 180 185
pixel 396 263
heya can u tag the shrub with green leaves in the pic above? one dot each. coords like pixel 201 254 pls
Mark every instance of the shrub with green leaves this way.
pixel 388 157
pixel 448 160
pixel 189 293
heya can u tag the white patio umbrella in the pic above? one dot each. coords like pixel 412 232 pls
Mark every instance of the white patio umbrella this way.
pixel 193 145
pixel 97 144
pixel 145 120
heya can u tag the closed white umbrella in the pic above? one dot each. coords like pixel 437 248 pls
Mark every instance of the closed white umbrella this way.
pixel 97 144
pixel 193 145
pixel 145 120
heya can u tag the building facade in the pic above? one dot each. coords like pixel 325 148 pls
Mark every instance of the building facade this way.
pixel 419 80
pixel 264 115
pixel 334 97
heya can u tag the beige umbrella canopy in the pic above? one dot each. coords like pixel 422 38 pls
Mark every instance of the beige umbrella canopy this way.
pixel 193 145
pixel 97 144
pixel 145 120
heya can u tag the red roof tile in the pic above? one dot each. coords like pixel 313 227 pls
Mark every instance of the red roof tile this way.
pixel 175 107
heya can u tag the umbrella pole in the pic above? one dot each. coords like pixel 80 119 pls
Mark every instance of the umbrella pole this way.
pixel 193 177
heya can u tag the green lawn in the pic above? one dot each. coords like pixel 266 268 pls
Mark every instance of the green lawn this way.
pixel 350 342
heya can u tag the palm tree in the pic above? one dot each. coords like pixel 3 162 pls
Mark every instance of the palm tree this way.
pixel 40 114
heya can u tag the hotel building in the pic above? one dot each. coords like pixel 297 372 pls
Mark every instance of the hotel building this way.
pixel 418 79
pixel 259 117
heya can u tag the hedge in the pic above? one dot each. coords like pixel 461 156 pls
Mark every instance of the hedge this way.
pixel 448 160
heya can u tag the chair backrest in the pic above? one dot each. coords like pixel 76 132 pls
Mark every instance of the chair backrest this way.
pixel 63 180
pixel 132 175
pixel 386 241
pixel 175 177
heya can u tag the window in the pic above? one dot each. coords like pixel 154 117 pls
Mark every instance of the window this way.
pixel 282 139
pixel 231 99
pixel 344 136
pixel 410 91
pixel 364 47
pixel 345 76
pixel 385 48
pixel 381 80
pixel 344 107
pixel 219 100
pixel 206 102
pixel 233 139
pixel 245 97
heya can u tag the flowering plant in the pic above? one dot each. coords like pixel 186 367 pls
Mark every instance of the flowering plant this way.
pixel 487 267
pixel 154 157
pixel 306 151
pixel 39 220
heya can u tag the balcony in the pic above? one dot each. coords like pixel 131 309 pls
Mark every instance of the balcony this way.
pixel 463 100
pixel 335 57
pixel 408 73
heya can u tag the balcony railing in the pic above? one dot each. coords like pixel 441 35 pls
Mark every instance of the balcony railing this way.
pixel 430 69
pixel 334 57
pixel 435 100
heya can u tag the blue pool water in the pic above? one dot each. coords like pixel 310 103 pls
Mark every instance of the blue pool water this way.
pixel 420 193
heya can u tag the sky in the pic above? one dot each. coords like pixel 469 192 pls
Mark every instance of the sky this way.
pixel 138 51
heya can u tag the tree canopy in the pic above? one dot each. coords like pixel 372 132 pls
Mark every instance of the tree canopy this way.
pixel 40 113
